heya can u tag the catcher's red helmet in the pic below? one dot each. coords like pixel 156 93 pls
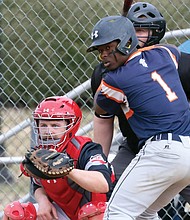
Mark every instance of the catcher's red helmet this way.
pixel 58 108
pixel 92 211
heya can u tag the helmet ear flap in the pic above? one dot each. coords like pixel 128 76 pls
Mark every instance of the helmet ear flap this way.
pixel 126 49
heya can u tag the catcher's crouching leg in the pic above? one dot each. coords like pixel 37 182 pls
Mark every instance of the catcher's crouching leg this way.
pixel 20 211
pixel 92 211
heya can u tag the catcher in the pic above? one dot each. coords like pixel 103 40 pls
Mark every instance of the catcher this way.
pixel 67 171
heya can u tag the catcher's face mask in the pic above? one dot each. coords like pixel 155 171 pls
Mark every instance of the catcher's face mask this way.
pixel 51 131
pixel 56 121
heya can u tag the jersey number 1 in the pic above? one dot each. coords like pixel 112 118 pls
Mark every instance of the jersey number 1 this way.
pixel 169 94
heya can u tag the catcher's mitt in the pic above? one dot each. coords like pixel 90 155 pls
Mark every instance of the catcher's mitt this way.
pixel 47 164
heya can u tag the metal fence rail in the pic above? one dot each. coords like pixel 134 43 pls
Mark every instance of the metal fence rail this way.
pixel 44 53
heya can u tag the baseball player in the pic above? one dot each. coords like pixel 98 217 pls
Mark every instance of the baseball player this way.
pixel 145 84
pixel 150 29
pixel 130 145
pixel 57 119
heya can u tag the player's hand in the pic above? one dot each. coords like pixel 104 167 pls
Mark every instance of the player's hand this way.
pixel 46 210
pixel 5 217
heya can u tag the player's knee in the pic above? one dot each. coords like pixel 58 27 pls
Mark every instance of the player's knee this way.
pixel 148 216
pixel 20 211
pixel 92 211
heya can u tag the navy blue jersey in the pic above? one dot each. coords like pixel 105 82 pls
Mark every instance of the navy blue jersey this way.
pixel 93 158
pixel 149 91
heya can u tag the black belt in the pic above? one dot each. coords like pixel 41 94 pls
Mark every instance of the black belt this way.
pixel 165 136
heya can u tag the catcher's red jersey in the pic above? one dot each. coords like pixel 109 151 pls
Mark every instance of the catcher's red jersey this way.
pixel 66 193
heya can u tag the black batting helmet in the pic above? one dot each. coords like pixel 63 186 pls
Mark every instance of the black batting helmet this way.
pixel 113 28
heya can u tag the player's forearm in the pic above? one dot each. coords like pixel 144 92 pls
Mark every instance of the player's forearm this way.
pixel 103 133
pixel 40 195
pixel 5 217
pixel 92 181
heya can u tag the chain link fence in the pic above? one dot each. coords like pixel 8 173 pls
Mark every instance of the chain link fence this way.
pixel 43 54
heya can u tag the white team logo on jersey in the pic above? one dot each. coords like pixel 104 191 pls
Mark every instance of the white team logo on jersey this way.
pixel 143 62
pixel 97 159
pixel 94 35
pixel 49 181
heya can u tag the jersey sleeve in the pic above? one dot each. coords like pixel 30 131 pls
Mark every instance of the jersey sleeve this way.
pixel 183 60
pixel 109 97
pixel 97 75
pixel 174 50
pixel 35 184
pixel 92 158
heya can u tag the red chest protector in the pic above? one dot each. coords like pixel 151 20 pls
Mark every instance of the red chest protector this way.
pixel 66 193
